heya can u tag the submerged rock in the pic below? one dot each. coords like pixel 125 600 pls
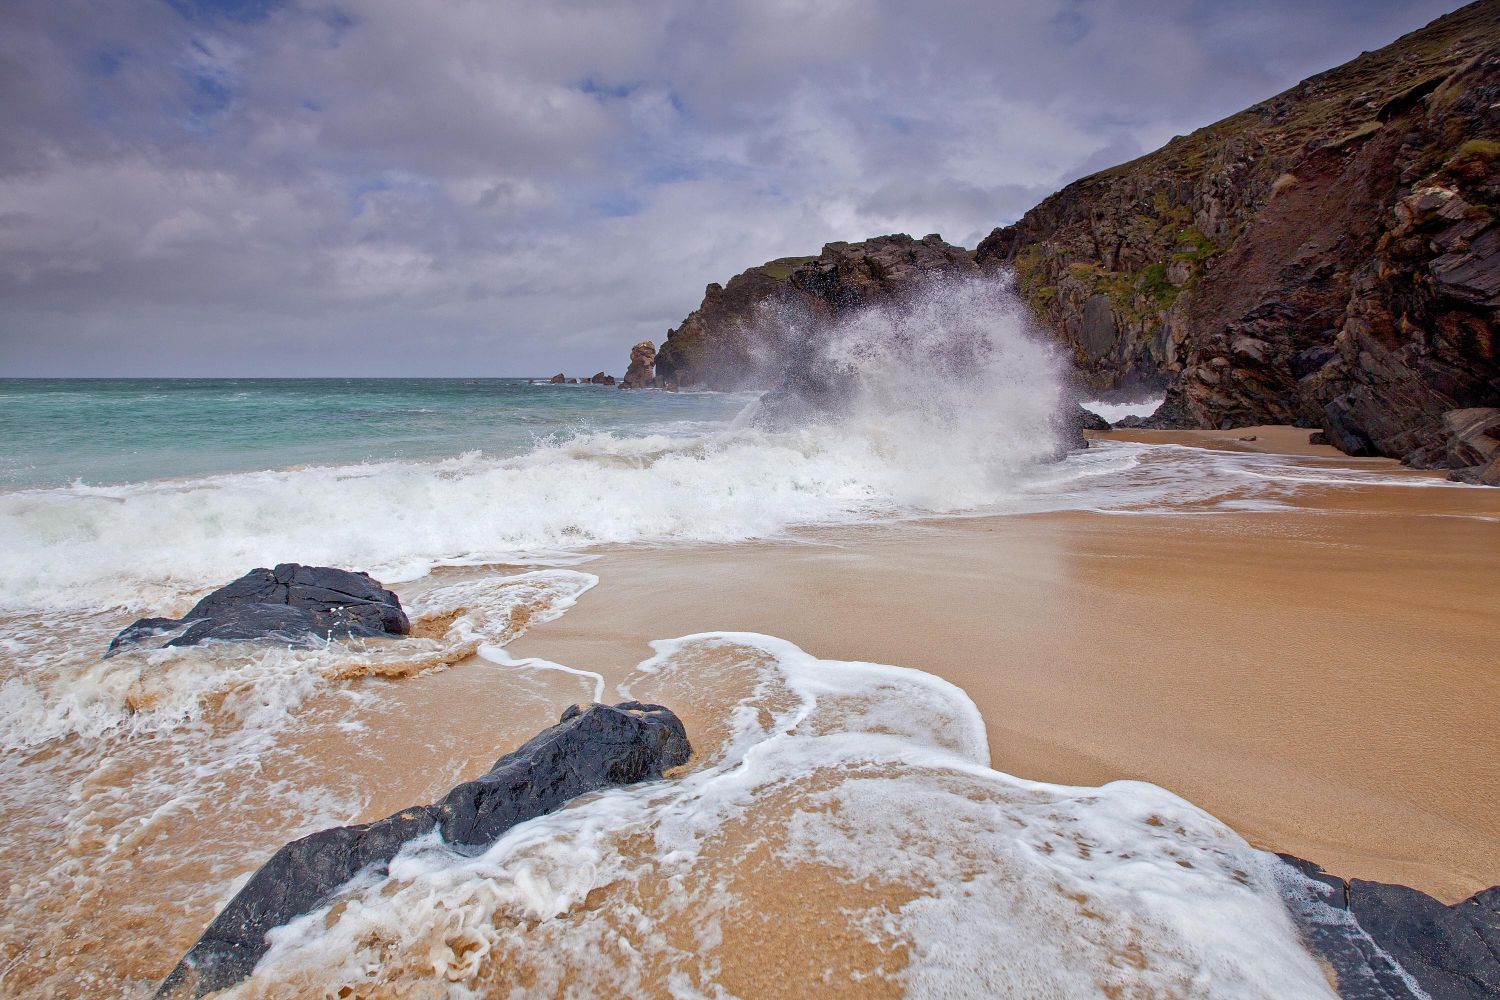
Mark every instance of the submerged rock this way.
pixel 290 602
pixel 589 749
pixel 1383 934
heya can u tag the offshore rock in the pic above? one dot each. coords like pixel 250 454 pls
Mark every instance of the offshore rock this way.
pixel 639 375
pixel 1452 952
pixel 289 603
pixel 589 749
pixel 602 379
pixel 558 379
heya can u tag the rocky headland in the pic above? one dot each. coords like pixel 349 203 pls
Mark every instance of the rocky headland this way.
pixel 1326 258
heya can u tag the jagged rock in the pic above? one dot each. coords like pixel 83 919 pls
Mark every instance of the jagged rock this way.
pixel 1088 420
pixel 288 603
pixel 589 749
pixel 603 379
pixel 1453 952
pixel 558 379
pixel 1473 447
pixel 751 333
pixel 642 359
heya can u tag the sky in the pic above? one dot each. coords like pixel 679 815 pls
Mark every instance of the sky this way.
pixel 488 187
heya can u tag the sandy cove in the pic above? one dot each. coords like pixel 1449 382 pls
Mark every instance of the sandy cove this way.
pixel 1325 679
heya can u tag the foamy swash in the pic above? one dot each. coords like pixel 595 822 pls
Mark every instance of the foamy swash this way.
pixel 839 834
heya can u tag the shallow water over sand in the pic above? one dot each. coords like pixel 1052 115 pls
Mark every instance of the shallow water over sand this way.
pixel 839 828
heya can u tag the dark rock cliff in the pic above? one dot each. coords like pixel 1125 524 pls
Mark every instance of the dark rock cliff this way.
pixel 1325 258
pixel 739 337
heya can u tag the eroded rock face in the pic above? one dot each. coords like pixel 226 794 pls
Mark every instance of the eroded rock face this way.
pixel 1473 449
pixel 602 379
pixel 1327 258
pixel 1453 952
pixel 589 749
pixel 747 334
pixel 288 603
pixel 640 374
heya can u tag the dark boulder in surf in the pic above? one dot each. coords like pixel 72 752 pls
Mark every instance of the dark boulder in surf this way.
pixel 1377 935
pixel 589 749
pixel 289 603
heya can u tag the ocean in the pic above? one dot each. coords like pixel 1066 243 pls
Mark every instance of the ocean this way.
pixel 141 790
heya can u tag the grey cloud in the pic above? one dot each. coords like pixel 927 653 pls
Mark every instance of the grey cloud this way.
pixel 382 187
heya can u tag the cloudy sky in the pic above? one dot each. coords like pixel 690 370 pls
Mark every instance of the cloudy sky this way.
pixel 488 187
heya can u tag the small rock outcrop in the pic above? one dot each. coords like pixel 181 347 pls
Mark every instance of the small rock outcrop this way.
pixel 558 379
pixel 641 374
pixel 1453 952
pixel 602 379
pixel 288 603
pixel 589 749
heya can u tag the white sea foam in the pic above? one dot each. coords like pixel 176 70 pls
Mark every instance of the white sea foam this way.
pixel 948 878
pixel 1114 412
pixel 56 684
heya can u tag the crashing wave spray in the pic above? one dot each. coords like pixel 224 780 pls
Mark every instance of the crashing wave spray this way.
pixel 948 400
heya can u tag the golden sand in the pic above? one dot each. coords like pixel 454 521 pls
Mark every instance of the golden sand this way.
pixel 1324 679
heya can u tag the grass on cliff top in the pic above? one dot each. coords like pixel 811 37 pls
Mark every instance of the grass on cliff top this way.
pixel 1338 104
pixel 781 269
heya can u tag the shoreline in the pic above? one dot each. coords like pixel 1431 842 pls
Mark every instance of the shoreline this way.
pixel 1321 678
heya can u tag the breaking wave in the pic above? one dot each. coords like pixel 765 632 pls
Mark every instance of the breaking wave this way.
pixel 929 431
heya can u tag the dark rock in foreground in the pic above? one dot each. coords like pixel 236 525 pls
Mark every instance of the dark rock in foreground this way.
pixel 588 749
pixel 291 602
pixel 1381 934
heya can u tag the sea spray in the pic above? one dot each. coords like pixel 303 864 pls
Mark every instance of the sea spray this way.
pixel 950 406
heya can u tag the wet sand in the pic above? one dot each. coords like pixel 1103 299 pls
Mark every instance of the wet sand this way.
pixel 1325 678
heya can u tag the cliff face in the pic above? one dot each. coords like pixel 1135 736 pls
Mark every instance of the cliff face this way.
pixel 741 336
pixel 1326 258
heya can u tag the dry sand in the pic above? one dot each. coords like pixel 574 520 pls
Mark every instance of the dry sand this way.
pixel 1326 679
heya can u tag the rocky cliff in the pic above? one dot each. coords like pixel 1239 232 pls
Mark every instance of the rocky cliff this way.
pixel 746 332
pixel 1327 258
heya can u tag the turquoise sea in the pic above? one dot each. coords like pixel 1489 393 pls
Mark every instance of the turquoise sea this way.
pixel 100 431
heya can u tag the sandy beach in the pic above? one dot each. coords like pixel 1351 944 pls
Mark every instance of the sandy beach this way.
pixel 1324 678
